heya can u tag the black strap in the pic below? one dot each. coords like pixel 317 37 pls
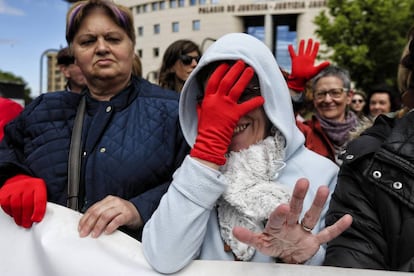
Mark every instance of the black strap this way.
pixel 75 158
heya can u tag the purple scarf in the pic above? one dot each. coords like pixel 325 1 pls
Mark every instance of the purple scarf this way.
pixel 338 132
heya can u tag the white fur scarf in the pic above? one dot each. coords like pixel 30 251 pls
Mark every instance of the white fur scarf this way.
pixel 253 192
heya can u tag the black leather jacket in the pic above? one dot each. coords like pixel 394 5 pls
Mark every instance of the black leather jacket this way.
pixel 376 186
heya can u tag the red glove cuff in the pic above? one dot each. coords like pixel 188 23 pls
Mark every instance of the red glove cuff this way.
pixel 296 84
pixel 16 178
pixel 208 157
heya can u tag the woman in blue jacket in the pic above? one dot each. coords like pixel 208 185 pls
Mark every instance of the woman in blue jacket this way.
pixel 130 141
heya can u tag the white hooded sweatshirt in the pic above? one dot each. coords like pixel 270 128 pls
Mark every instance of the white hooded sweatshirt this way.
pixel 185 226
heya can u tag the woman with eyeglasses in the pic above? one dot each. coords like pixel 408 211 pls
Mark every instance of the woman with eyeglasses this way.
pixel 179 60
pixel 328 131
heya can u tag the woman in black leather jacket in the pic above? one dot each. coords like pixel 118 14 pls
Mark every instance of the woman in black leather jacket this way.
pixel 376 186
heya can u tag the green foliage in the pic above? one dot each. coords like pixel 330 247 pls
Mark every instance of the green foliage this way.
pixel 10 77
pixel 366 37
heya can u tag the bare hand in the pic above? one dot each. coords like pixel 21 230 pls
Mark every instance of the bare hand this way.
pixel 107 215
pixel 284 238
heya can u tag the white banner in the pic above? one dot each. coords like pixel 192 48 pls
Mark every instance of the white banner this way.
pixel 53 248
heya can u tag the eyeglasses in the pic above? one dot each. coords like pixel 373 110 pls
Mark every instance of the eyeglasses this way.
pixel 357 100
pixel 334 93
pixel 187 60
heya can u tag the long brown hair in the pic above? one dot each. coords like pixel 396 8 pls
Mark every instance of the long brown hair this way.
pixel 174 51
pixel 405 78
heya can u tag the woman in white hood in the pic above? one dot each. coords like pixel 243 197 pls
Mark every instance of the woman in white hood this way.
pixel 247 155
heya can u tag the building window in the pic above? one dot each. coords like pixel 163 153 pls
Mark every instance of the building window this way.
pixel 175 27
pixel 157 28
pixel 140 31
pixel 162 5
pixel 138 10
pixel 145 8
pixel 154 6
pixel 173 3
pixel 215 2
pixel 193 2
pixel 139 53
pixel 155 52
pixel 202 2
pixel 181 3
pixel 284 36
pixel 196 25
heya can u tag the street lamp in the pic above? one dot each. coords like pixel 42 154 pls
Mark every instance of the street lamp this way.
pixel 45 52
pixel 204 42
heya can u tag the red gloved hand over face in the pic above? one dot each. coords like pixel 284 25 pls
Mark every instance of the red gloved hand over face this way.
pixel 24 198
pixel 303 68
pixel 219 111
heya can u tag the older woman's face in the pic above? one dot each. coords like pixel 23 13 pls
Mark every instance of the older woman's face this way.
pixel 102 49
pixel 329 106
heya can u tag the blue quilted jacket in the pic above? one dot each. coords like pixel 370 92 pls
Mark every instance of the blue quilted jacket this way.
pixel 131 145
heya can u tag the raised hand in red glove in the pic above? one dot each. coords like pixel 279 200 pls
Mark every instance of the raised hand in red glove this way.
pixel 220 111
pixel 303 68
pixel 24 198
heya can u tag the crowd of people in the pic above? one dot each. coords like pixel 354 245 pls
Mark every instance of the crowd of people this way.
pixel 217 161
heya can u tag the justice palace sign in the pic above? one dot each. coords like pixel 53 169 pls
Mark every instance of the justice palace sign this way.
pixel 276 5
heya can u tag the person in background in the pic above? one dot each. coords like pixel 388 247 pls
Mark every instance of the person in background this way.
pixel 234 197
pixel 130 139
pixel 359 100
pixel 376 186
pixel 9 110
pixel 328 131
pixel 179 60
pixel 358 103
pixel 382 99
pixel 75 80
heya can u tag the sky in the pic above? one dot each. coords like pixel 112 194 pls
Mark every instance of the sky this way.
pixel 27 29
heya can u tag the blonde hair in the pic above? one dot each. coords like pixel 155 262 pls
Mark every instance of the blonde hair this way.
pixel 406 66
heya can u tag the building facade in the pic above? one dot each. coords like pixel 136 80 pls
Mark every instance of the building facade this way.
pixel 56 81
pixel 277 23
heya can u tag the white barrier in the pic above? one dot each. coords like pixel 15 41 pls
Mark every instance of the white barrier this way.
pixel 53 247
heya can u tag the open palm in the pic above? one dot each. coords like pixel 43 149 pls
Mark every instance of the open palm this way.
pixel 287 239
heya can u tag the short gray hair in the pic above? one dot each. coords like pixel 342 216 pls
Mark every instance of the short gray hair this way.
pixel 334 71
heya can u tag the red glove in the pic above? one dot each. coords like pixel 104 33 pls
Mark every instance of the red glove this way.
pixel 24 198
pixel 303 68
pixel 219 111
